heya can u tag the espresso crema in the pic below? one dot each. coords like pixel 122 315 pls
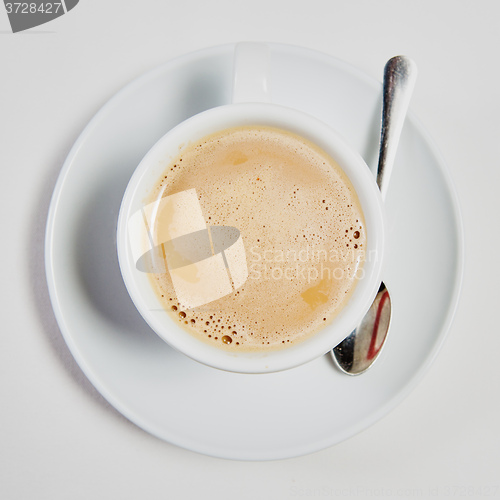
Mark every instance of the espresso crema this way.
pixel 301 238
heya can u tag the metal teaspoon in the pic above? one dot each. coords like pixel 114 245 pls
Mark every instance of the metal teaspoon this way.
pixel 357 352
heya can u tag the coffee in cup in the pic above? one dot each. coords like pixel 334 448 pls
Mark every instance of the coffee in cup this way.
pixel 299 221
pixel 251 236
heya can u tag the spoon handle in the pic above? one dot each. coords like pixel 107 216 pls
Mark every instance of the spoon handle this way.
pixel 400 74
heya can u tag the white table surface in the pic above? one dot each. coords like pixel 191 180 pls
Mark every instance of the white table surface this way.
pixel 59 439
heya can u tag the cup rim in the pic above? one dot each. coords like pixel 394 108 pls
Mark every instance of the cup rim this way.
pixel 194 128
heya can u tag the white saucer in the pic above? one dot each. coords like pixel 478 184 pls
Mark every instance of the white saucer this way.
pixel 253 417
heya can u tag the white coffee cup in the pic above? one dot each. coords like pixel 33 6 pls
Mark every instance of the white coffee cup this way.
pixel 251 106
